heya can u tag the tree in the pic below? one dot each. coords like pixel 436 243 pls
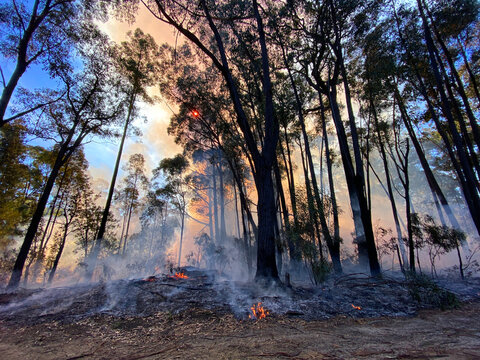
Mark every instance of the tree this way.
pixel 35 32
pixel 209 19
pixel 133 183
pixel 465 172
pixel 85 110
pixel 136 62
pixel 205 127
pixel 324 66
pixel 175 189
pixel 75 191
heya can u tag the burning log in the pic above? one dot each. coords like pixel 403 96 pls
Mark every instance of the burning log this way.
pixel 357 307
pixel 258 312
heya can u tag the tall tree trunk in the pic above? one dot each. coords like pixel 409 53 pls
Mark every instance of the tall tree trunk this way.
pixel 471 153
pixel 241 193
pixel 391 195
pixel 106 211
pixel 215 203
pixel 363 222
pixel 311 209
pixel 262 160
pixel 58 256
pixel 266 263
pixel 402 168
pixel 181 238
pixel 431 180
pixel 464 183
pixel 130 210
pixel 291 184
pixel 333 249
pixel 331 186
pixel 246 242
pixel 52 211
pixel 237 221
pixel 284 210
pixel 358 203
pixel 223 230
pixel 210 213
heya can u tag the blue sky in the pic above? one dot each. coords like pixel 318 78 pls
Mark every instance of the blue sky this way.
pixel 155 144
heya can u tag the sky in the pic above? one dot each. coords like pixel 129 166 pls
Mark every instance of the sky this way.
pixel 154 144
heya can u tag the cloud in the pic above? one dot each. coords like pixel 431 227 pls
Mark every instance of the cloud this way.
pixel 160 31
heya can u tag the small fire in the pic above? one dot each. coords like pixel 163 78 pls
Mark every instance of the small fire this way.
pixel 357 307
pixel 150 279
pixel 258 312
pixel 195 113
pixel 180 276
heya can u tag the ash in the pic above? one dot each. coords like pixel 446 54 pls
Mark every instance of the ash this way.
pixel 352 295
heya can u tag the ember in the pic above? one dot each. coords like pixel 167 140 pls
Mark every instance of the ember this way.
pixel 150 278
pixel 180 276
pixel 357 307
pixel 258 312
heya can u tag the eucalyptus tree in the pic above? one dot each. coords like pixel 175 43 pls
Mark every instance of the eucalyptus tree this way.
pixel 327 28
pixel 87 222
pixel 74 192
pixel 136 61
pixel 88 108
pixel 133 183
pixel 211 28
pixel 377 78
pixel 428 84
pixel 38 32
pixel 205 121
pixel 152 221
pixel 175 189
pixel 468 178
pixel 302 94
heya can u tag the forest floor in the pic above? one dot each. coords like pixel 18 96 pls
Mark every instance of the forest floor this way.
pixel 206 334
pixel 205 316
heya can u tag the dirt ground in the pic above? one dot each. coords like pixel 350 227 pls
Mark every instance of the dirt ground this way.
pixel 201 334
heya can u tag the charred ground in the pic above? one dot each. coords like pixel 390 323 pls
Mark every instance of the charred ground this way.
pixel 205 315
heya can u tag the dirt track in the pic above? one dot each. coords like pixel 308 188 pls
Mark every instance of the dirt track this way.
pixel 200 334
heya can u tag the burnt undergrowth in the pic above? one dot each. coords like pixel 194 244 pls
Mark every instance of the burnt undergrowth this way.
pixel 351 295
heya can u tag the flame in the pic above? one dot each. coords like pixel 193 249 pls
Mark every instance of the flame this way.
pixel 258 312
pixel 180 276
pixel 357 307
